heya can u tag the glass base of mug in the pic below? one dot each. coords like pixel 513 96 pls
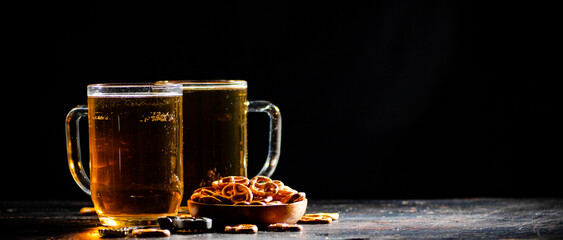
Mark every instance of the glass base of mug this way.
pixel 128 221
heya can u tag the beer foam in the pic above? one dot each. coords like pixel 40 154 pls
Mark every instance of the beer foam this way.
pixel 209 84
pixel 213 87
pixel 135 95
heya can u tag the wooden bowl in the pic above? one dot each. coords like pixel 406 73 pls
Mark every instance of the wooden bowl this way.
pixel 223 214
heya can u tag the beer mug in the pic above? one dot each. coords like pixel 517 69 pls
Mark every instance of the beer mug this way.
pixel 215 143
pixel 135 142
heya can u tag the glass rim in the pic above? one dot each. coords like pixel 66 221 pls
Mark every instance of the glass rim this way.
pixel 208 84
pixel 131 89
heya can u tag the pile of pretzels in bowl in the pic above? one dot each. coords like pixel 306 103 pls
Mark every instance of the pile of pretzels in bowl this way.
pixel 239 190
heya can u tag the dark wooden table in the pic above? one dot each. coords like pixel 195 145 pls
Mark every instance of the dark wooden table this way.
pixel 450 218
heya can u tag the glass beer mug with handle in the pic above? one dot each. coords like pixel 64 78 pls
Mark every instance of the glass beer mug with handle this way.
pixel 215 142
pixel 135 143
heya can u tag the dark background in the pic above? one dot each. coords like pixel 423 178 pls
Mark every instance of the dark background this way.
pixel 380 99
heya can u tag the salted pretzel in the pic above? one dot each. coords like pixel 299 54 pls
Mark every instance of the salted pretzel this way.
pixel 265 199
pixel 333 216
pixel 221 183
pixel 205 190
pixel 202 192
pixel 238 190
pixel 315 219
pixel 279 183
pixel 263 186
pixel 208 195
pixel 284 227
pixel 284 192
pixel 242 228
pixel 295 197
pixel 257 203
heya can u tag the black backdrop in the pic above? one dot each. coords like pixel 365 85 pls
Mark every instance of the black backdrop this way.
pixel 380 99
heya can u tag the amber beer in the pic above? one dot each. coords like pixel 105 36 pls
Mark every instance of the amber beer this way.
pixel 135 152
pixel 135 141
pixel 215 142
pixel 214 135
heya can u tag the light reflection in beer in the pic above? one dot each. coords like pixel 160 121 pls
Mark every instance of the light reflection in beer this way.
pixel 108 222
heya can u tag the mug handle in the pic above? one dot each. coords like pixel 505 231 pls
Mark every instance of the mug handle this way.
pixel 275 134
pixel 73 147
